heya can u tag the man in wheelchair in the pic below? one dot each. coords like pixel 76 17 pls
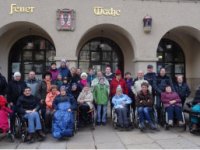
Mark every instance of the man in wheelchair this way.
pixel 172 105
pixel 120 102
pixel 28 107
pixel 144 104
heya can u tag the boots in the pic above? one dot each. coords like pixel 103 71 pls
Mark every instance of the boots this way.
pixel 41 135
pixel 30 138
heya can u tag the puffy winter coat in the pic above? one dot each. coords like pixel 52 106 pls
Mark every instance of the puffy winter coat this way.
pixel 144 100
pixel 63 120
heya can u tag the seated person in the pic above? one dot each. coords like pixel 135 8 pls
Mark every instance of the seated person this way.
pixel 4 111
pixel 63 118
pixel 172 104
pixel 144 104
pixel 49 101
pixel 28 106
pixel 75 90
pixel 120 101
pixel 195 108
pixel 85 101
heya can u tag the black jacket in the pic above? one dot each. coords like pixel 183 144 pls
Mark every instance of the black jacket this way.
pixel 160 83
pixel 3 85
pixel 27 103
pixel 14 90
pixel 183 90
pixel 150 77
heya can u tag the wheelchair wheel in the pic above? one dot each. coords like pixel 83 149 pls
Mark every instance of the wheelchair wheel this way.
pixel 17 127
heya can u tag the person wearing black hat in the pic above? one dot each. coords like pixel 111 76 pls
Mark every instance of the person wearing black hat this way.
pixel 150 76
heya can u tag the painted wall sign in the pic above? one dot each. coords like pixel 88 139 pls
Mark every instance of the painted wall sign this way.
pixel 101 11
pixel 20 9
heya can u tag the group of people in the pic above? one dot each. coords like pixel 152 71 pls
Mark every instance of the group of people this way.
pixel 63 91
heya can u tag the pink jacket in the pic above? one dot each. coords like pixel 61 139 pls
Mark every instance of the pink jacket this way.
pixel 167 97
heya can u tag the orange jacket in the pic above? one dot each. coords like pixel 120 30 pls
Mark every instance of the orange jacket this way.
pixel 50 98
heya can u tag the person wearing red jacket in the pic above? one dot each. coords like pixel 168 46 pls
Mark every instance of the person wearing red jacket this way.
pixel 4 111
pixel 118 80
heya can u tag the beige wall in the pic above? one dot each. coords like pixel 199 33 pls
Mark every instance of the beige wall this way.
pixel 139 48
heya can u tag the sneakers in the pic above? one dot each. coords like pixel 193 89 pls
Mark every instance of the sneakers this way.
pixel 170 122
pixel 153 127
pixel 30 138
pixel 98 123
pixel 181 123
pixel 142 126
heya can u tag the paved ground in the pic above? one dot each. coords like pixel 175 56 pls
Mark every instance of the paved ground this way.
pixel 107 137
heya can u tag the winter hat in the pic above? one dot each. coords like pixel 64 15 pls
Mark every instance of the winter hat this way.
pixel 17 74
pixel 119 88
pixel 84 74
pixel 62 88
pixel 118 72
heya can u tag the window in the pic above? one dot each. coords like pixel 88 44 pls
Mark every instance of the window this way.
pixel 31 53
pixel 171 56
pixel 100 52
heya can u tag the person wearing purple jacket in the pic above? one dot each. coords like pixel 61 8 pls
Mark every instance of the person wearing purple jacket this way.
pixel 172 105
pixel 54 71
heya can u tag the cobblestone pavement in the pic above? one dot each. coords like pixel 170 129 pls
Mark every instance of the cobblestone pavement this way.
pixel 108 137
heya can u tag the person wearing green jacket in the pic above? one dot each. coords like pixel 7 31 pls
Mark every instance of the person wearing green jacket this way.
pixel 101 98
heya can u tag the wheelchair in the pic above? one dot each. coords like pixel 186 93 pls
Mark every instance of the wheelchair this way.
pixel 166 120
pixel 193 114
pixel 21 127
pixel 91 119
pixel 130 115
pixel 154 118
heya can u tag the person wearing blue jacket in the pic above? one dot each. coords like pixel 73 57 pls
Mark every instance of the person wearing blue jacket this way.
pixel 120 102
pixel 182 89
pixel 64 70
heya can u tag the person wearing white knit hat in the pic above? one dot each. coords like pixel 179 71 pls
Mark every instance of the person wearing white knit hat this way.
pixel 17 76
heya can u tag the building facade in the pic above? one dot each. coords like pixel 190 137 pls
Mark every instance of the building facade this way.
pixel 33 33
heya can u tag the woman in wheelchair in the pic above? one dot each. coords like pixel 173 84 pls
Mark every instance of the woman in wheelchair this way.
pixel 120 102
pixel 144 104
pixel 172 105
pixel 85 101
pixel 63 117
pixel 28 106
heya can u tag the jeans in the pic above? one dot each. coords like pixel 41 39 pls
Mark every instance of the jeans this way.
pixel 33 121
pixel 195 108
pixel 122 116
pixel 174 109
pixel 101 116
pixel 144 113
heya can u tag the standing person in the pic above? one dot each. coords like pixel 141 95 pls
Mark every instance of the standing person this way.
pixel 118 80
pixel 83 81
pixel 43 89
pixel 58 81
pixel 108 74
pixel 54 71
pixel 150 76
pixel 129 83
pixel 14 90
pixel 91 76
pixel 3 85
pixel 64 70
pixel 28 107
pixel 75 77
pixel 75 90
pixel 182 89
pixel 101 98
pixel 32 82
pixel 79 71
pixel 96 80
pixel 49 109
pixel 138 81
pixel 162 80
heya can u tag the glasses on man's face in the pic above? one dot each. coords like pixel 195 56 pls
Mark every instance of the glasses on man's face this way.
pixel 27 90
